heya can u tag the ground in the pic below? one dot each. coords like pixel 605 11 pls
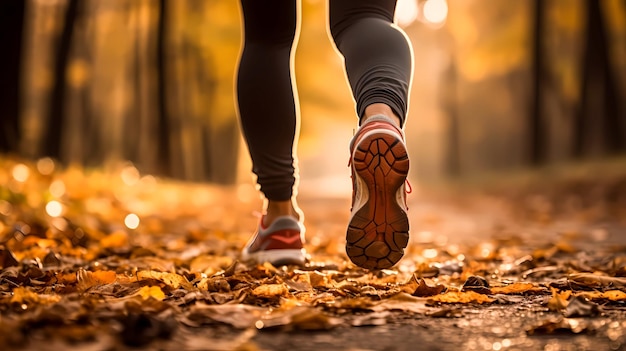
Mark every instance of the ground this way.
pixel 111 259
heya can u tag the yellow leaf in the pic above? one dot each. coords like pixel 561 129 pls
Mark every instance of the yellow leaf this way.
pixel 461 297
pixel 516 288
pixel 87 279
pixel 115 239
pixel 147 292
pixel 558 301
pixel 270 290
pixel 613 295
pixel 319 280
pixel 23 295
pixel 209 264
pixel 172 279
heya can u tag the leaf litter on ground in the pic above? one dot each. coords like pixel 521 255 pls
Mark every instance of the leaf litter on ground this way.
pixel 148 259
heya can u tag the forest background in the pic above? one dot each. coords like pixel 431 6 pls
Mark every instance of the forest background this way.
pixel 499 85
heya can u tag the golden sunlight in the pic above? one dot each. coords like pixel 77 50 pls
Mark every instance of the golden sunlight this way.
pixel 406 12
pixel 436 11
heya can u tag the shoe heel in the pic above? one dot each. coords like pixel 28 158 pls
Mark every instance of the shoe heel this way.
pixel 378 230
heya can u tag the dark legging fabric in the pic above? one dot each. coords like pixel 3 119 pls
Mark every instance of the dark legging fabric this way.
pixel 378 64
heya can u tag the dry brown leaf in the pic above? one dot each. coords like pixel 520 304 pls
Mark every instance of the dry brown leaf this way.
pixel 461 297
pixel 173 280
pixel 580 306
pixel 237 315
pixel 153 264
pixel 271 290
pixel 424 290
pixel 299 317
pixel 559 325
pixel 401 302
pixel 214 284
pixel 559 300
pixel 596 280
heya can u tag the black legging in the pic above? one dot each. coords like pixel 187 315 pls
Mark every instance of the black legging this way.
pixel 378 63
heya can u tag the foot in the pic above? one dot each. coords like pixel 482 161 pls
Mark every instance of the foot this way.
pixel 378 230
pixel 280 243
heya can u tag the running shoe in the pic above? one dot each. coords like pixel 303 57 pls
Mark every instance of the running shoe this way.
pixel 281 243
pixel 378 230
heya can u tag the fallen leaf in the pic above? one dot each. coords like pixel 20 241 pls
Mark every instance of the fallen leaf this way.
pixel 270 290
pixel 214 284
pixel 476 284
pixel 147 292
pixel 24 295
pixel 612 295
pixel 209 264
pixel 87 279
pixel 237 315
pixel 461 297
pixel 579 306
pixel 446 313
pixel 559 300
pixel 401 302
pixel 517 288
pixel 424 289
pixel 173 280
pixel 319 280
pixel 7 259
pixel 300 317
pixel 116 239
pixel 596 280
pixel 560 325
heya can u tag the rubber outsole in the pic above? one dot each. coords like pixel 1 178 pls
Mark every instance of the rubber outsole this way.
pixel 378 230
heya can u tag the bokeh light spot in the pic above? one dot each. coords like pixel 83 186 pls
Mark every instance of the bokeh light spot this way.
pixel 131 221
pixel 54 208
pixel 20 172
pixel 45 166
pixel 57 188
pixel 436 11
pixel 130 175
pixel 406 12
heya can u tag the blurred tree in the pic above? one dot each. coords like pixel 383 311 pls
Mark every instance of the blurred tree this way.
pixel 597 122
pixel 537 133
pixel 55 122
pixel 11 37
pixel 163 145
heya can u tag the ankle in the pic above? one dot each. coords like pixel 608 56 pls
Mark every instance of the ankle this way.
pixel 381 109
pixel 275 209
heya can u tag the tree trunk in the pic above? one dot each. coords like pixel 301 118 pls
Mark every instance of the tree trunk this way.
pixel 163 116
pixel 597 77
pixel 537 142
pixel 11 30
pixel 53 137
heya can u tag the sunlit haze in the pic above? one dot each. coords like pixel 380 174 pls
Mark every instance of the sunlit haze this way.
pixel 436 11
pixel 406 12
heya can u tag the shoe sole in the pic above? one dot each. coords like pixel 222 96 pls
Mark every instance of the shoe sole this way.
pixel 378 230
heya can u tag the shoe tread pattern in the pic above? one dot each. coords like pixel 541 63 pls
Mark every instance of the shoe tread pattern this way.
pixel 379 231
